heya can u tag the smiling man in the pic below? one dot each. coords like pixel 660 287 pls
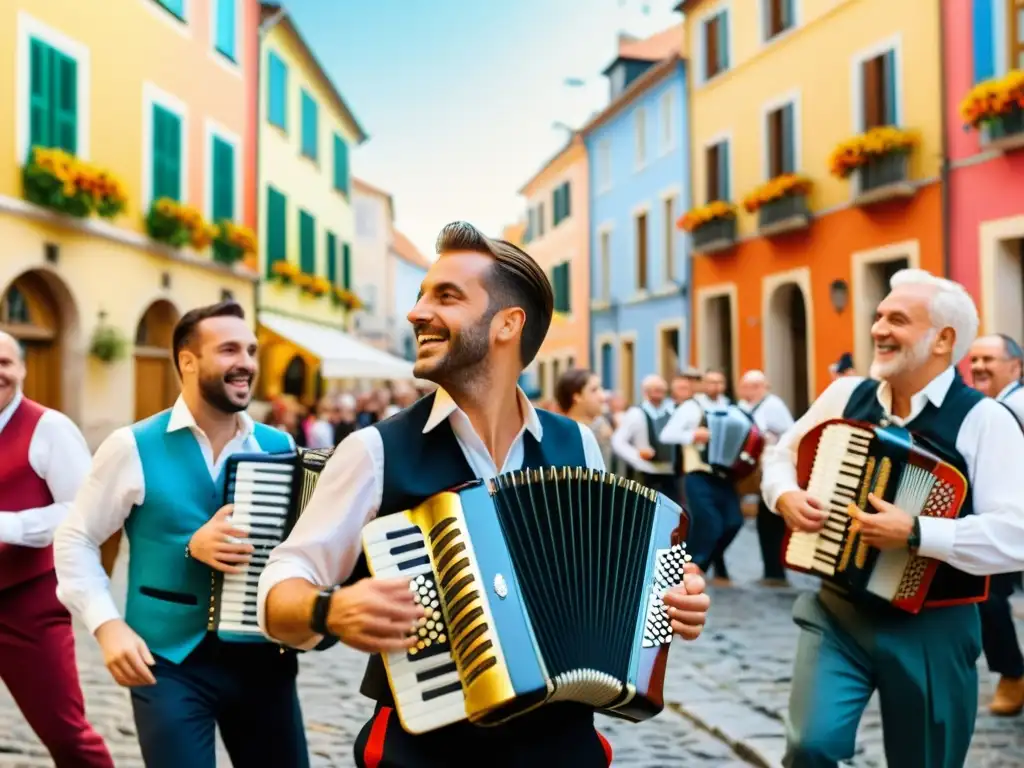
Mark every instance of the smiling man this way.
pixel 923 665
pixel 162 479
pixel 483 311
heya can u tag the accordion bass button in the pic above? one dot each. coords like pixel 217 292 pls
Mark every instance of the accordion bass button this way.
pixel 500 586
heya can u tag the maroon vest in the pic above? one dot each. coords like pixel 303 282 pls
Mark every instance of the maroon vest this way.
pixel 21 488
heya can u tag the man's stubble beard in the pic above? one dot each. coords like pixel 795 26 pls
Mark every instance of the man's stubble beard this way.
pixel 908 360
pixel 463 363
pixel 212 389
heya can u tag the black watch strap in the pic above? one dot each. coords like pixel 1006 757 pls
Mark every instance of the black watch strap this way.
pixel 321 607
pixel 914 540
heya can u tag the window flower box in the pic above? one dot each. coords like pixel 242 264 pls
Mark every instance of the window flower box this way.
pixel 780 204
pixel 55 179
pixel 997 105
pixel 712 227
pixel 878 159
pixel 178 225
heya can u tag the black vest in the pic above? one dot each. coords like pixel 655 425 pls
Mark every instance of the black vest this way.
pixel 418 466
pixel 936 430
pixel 663 452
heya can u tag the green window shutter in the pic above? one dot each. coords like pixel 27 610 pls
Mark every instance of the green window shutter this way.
pixel 788 140
pixel 53 98
pixel 346 266
pixel 277 229
pixel 309 126
pixel 566 205
pixel 166 154
pixel 332 258
pixel 307 243
pixel 223 180
pixel 889 81
pixel 566 286
pixel 65 98
pixel 226 34
pixel 723 171
pixel 277 91
pixel 723 41
pixel 177 7
pixel 41 106
pixel 341 172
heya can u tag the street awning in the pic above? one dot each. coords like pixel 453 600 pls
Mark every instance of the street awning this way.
pixel 341 356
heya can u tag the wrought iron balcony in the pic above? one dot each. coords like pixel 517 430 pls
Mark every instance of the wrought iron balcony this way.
pixel 883 178
pixel 786 214
pixel 1007 131
pixel 716 235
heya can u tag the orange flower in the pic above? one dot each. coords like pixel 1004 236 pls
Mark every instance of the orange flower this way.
pixel 993 98
pixel 717 209
pixel 786 185
pixel 877 142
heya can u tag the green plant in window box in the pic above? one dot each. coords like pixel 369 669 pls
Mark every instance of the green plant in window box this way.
pixel 108 343
pixel 58 180
pixel 232 242
pixel 177 225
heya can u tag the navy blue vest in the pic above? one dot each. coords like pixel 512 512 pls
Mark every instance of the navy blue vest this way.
pixel 418 466
pixel 936 430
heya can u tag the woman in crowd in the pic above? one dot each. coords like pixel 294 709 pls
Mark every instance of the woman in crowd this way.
pixel 579 396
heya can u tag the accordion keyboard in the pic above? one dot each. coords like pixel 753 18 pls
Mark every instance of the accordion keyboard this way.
pixel 835 479
pixel 261 493
pixel 424 678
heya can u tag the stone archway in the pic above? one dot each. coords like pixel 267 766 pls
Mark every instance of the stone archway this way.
pixel 156 382
pixel 38 310
pixel 293 381
pixel 786 345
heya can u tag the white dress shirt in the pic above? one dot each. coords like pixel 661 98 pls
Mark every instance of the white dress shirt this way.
pixel 60 456
pixel 325 543
pixel 1013 397
pixel 771 415
pixel 687 417
pixel 113 489
pixel 992 446
pixel 631 437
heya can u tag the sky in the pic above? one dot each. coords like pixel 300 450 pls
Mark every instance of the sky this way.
pixel 459 97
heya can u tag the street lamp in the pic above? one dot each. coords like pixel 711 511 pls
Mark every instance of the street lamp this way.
pixel 839 295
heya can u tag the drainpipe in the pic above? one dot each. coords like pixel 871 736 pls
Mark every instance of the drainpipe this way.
pixel 944 170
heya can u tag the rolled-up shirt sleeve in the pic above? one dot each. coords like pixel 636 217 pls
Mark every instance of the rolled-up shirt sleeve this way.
pixel 680 428
pixel 324 545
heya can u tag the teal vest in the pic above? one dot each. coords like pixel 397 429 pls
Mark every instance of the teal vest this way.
pixel 169 594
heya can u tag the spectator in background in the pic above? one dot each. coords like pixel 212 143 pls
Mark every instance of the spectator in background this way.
pixel 844 366
pixel 320 430
pixel 345 417
pixel 580 397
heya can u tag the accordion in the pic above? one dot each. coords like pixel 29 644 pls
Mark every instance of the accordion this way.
pixel 545 585
pixel 734 447
pixel 839 462
pixel 269 491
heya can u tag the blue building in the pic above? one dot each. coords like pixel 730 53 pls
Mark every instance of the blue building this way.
pixel 639 170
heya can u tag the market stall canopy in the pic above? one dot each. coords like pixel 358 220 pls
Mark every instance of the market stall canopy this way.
pixel 341 356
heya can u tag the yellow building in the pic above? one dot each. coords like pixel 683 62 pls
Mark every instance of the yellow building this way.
pixel 155 101
pixel 306 132
pixel 774 90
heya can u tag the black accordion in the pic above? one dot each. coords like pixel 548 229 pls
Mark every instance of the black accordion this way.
pixel 544 585
pixel 269 491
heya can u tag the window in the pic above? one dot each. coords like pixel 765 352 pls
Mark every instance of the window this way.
pixel 346 266
pixel 53 100
pixel 606 265
pixel 14 308
pixel 166 154
pixel 1015 48
pixel 560 204
pixel 604 165
pixel 309 126
pixel 176 7
pixel 538 221
pixel 340 165
pixel 331 247
pixel 531 225
pixel 669 229
pixel 716 44
pixel 277 91
pixel 641 252
pixel 667 110
pixel 223 171
pixel 366 218
pixel 781 141
pixel 277 229
pixel 777 17
pixel 226 36
pixel 561 287
pixel 716 163
pixel 606 367
pixel 640 137
pixel 307 243
pixel 878 91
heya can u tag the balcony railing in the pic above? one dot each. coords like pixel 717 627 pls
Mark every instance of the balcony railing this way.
pixel 883 178
pixel 1006 131
pixel 716 235
pixel 786 214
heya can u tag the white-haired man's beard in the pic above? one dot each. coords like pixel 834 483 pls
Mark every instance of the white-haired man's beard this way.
pixel 906 359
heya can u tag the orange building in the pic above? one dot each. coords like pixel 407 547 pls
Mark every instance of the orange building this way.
pixel 791 281
pixel 556 235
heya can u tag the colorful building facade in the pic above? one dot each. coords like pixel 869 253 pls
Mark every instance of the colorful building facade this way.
pixel 639 172
pixel 134 120
pixel 556 235
pixel 793 284
pixel 984 54
pixel 306 134
pixel 407 267
pixel 372 277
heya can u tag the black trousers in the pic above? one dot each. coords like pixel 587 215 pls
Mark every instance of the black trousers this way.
pixel 248 689
pixel 998 633
pixel 716 519
pixel 771 530
pixel 553 736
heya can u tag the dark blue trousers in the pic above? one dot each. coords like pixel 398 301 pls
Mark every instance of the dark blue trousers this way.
pixel 716 517
pixel 248 689
pixel 998 633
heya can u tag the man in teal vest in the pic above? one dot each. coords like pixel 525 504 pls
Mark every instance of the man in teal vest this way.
pixel 923 666
pixel 484 309
pixel 162 480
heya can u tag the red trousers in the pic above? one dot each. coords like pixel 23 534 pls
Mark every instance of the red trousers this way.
pixel 37 664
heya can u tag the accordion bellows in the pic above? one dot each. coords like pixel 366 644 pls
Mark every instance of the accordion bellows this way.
pixel 545 586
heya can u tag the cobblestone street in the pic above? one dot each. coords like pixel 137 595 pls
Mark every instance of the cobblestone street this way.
pixel 731 688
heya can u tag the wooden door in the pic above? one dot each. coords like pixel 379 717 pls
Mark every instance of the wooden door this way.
pixel 155 387
pixel 42 373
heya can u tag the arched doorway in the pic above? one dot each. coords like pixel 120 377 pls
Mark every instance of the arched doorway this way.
pixel 717 336
pixel 156 382
pixel 294 380
pixel 31 312
pixel 785 346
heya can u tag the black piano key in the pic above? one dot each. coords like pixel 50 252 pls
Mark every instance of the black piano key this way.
pixel 430 674
pixel 444 690
pixel 401 532
pixel 407 564
pixel 410 547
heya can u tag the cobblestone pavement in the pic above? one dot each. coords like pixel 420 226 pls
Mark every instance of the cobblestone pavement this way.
pixel 731 687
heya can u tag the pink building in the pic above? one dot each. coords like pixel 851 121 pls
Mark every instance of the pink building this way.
pixel 983 44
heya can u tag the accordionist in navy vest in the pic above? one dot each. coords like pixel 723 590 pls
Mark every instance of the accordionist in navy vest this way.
pixel 936 429
pixel 418 466
pixel 664 453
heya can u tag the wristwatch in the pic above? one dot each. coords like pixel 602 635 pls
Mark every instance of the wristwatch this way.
pixel 321 607
pixel 914 539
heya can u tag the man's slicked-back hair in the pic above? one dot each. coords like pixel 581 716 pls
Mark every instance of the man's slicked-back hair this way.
pixel 516 280
pixel 185 330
